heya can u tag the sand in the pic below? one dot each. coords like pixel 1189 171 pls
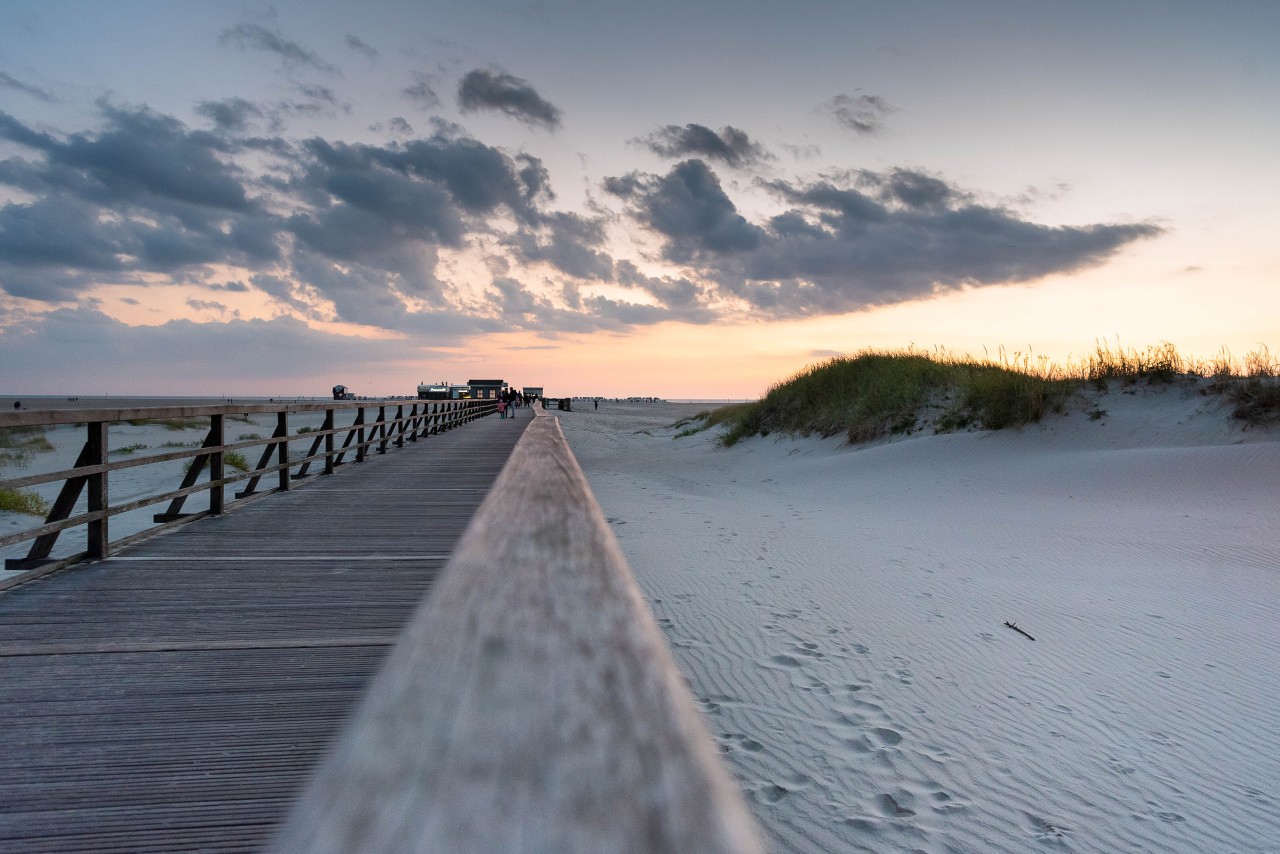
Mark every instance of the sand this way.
pixel 840 614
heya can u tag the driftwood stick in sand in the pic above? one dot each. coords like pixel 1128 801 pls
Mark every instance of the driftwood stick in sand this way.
pixel 1014 626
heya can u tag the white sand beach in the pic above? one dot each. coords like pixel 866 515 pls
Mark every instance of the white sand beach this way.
pixel 840 614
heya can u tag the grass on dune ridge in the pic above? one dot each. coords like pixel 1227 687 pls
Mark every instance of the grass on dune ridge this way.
pixel 878 393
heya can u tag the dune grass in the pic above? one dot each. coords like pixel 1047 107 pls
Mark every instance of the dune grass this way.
pixel 18 444
pixel 230 459
pixel 879 393
pixel 23 501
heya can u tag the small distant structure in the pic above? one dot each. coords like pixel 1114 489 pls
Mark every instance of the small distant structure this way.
pixel 532 391
pixel 433 391
pixel 340 393
pixel 443 390
pixel 486 389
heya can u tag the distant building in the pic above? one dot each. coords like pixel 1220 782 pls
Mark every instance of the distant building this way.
pixel 433 391
pixel 531 391
pixel 443 390
pixel 486 389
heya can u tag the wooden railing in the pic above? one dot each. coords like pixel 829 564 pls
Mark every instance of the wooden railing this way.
pixel 530 705
pixel 395 423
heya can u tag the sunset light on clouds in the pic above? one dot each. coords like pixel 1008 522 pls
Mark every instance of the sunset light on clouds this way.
pixel 686 200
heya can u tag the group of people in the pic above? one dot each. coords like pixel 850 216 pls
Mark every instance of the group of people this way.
pixel 508 402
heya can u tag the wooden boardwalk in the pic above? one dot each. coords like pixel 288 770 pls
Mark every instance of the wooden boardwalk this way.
pixel 175 697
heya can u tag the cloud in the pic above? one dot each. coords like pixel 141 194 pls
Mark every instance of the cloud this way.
pixel 863 114
pixel 571 243
pixel 143 195
pixel 688 207
pixel 233 115
pixel 400 126
pixel 730 146
pixel 357 44
pixel 350 232
pixel 682 298
pixel 847 243
pixel 99 354
pixel 248 36
pixel 421 92
pixel 521 307
pixel 507 94
pixel 10 82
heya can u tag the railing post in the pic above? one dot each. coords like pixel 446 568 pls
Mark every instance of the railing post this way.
pixel 400 425
pixel 382 429
pixel 359 428
pixel 216 469
pixel 99 498
pixel 282 429
pixel 328 442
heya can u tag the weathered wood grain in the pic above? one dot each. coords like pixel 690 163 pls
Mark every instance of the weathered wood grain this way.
pixel 530 705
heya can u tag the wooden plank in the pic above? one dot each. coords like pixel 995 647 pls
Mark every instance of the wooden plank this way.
pixel 163 701
pixel 531 704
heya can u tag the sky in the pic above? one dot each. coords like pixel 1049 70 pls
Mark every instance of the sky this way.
pixel 689 200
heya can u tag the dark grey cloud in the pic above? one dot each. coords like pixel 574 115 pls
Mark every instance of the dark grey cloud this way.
pixel 400 126
pixel 497 90
pixel 15 131
pixel 689 208
pixel 233 115
pixel 863 114
pixel 682 298
pixel 571 243
pixel 143 195
pixel 730 145
pixel 8 81
pixel 331 230
pixel 206 305
pixel 520 307
pixel 358 45
pixel 841 246
pixel 57 231
pixel 247 36
pixel 422 92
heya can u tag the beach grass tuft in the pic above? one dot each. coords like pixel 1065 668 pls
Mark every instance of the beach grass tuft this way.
pixel 23 501
pixel 878 393
pixel 18 444
pixel 230 459
pixel 1256 394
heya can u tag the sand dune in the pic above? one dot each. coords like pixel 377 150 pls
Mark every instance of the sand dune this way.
pixel 840 614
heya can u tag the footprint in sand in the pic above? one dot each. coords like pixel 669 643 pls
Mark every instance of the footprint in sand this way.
pixel 1044 830
pixel 890 807
pixel 738 741
pixel 771 793
pixel 886 737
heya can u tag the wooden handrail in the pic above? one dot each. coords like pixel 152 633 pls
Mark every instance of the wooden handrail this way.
pixel 530 705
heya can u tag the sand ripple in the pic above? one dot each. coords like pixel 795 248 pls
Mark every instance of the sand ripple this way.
pixel 840 616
